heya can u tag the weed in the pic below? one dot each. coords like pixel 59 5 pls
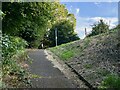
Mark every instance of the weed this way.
pixel 86 43
pixel 66 55
pixel 88 66
pixel 103 72
pixel 111 81
pixel 34 76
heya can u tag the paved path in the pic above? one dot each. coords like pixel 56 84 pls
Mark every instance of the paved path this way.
pixel 51 77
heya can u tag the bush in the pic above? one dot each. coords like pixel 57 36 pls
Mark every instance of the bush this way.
pixel 12 47
pixel 99 28
pixel 111 81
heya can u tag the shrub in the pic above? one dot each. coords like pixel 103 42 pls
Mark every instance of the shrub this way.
pixel 111 81
pixel 12 47
pixel 99 28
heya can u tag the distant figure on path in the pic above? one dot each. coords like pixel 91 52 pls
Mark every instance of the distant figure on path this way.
pixel 42 45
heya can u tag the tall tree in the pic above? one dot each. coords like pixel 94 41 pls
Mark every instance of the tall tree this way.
pixel 32 20
pixel 65 33
pixel 28 20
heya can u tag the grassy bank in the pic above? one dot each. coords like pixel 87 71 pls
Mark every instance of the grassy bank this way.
pixel 95 58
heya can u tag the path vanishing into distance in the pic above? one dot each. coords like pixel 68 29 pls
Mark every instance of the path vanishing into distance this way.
pixel 50 77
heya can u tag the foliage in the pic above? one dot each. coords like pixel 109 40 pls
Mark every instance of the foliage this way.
pixel 66 55
pixel 88 66
pixel 65 33
pixel 32 20
pixel 99 28
pixel 103 72
pixel 12 48
pixel 91 54
pixel 111 81
pixel 66 51
pixel 11 45
pixel 71 49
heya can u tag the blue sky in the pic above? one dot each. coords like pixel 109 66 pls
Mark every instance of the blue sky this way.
pixel 88 13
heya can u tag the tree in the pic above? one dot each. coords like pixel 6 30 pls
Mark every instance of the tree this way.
pixel 118 35
pixel 65 33
pixel 99 28
pixel 29 20
pixel 32 20
pixel 65 30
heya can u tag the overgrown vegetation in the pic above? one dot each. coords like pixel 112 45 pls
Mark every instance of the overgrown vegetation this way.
pixel 111 81
pixel 13 57
pixel 99 28
pixel 34 21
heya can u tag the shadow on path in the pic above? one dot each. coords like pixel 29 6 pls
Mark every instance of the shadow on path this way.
pixel 51 77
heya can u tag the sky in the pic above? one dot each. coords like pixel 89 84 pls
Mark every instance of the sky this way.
pixel 89 13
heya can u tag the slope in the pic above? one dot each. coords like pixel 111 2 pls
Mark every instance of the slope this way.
pixel 94 58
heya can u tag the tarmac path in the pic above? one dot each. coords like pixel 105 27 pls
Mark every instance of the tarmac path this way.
pixel 50 77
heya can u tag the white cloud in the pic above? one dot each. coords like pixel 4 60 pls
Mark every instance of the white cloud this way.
pixel 81 31
pixel 71 8
pixel 77 10
pixel 97 3
pixel 110 21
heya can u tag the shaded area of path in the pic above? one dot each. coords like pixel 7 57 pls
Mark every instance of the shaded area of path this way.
pixel 51 77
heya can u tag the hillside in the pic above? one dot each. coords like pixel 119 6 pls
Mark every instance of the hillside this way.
pixel 93 57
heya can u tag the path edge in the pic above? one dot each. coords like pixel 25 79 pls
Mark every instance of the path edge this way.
pixel 68 72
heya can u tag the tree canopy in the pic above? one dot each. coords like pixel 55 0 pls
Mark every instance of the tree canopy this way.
pixel 32 20
pixel 65 33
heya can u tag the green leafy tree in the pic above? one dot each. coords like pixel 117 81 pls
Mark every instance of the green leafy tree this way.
pixel 65 33
pixel 31 20
pixel 99 28
pixel 118 35
pixel 65 26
